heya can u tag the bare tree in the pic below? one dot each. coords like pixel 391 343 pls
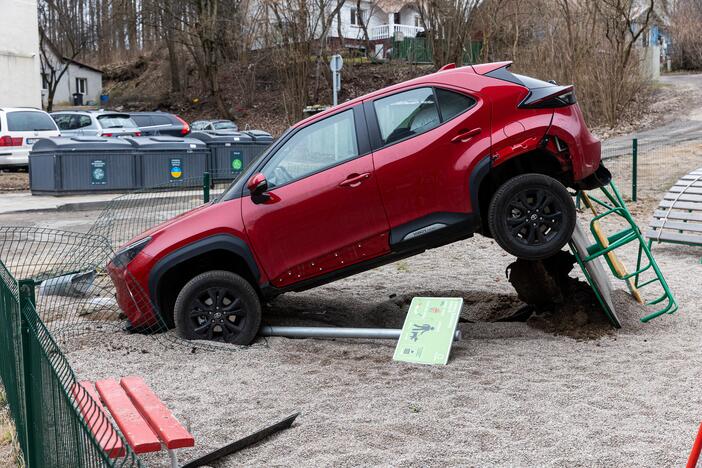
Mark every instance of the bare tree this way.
pixel 448 25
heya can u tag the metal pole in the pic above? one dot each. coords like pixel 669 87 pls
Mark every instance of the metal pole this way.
pixel 206 187
pixel 334 86
pixel 634 167
pixel 26 288
pixel 337 332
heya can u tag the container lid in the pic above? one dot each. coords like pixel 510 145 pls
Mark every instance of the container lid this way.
pixel 260 135
pixel 224 138
pixel 81 143
pixel 160 143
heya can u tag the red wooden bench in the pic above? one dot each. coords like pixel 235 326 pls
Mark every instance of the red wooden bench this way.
pixel 146 423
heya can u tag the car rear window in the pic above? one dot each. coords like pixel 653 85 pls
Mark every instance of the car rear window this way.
pixel 142 120
pixel 161 120
pixel 29 121
pixel 116 121
pixel 224 126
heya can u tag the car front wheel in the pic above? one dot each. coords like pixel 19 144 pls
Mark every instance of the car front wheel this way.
pixel 219 306
pixel 532 216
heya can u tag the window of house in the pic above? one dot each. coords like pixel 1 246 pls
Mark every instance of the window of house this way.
pixel 45 81
pixel 417 21
pixel 406 114
pixel 81 85
pixel 396 18
pixel 322 145
pixel 357 16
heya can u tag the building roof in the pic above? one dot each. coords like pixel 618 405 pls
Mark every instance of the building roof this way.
pixel 57 53
pixel 392 6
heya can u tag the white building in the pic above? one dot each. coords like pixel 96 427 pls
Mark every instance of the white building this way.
pixel 20 79
pixel 78 78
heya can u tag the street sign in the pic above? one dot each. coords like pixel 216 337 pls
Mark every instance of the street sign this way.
pixel 428 332
pixel 336 63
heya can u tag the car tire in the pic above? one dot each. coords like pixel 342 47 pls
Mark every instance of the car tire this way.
pixel 532 216
pixel 218 306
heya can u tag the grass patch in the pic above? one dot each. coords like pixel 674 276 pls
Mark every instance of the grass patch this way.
pixel 10 453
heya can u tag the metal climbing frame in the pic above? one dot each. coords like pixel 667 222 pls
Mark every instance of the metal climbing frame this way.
pixel 603 208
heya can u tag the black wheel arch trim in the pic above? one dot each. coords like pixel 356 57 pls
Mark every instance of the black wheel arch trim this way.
pixel 216 242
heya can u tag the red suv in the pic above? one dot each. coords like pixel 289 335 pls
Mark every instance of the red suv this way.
pixel 382 177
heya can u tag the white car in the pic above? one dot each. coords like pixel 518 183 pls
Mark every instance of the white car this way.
pixel 20 128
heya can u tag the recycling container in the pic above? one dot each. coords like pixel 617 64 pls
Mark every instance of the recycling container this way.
pixel 261 140
pixel 230 153
pixel 164 160
pixel 82 164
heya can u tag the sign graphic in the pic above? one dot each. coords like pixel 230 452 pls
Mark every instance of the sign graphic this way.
pixel 98 172
pixel 236 161
pixel 176 168
pixel 428 332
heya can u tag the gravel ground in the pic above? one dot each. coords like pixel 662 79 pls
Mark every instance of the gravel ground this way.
pixel 511 394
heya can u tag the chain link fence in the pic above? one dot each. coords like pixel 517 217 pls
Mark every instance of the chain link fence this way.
pixel 647 168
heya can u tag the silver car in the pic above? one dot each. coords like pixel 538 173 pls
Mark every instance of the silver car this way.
pixel 95 123
pixel 217 126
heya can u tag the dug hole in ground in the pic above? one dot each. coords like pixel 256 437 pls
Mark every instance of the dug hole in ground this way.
pixel 559 389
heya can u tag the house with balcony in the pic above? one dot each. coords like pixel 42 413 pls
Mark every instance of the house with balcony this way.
pixel 378 22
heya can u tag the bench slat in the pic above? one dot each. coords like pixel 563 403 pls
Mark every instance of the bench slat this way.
pixel 159 417
pixel 681 215
pixel 681 205
pixel 137 432
pixel 676 225
pixel 669 236
pixel 686 189
pixel 691 197
pixel 88 402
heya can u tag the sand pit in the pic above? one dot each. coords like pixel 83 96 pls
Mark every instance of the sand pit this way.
pixel 513 393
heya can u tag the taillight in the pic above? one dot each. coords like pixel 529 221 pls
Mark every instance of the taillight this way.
pixel 106 134
pixel 186 127
pixel 137 133
pixel 9 141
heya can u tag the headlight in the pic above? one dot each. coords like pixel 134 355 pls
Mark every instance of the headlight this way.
pixel 127 254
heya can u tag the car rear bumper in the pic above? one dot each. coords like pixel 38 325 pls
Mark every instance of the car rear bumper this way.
pixel 133 299
pixel 569 126
pixel 14 157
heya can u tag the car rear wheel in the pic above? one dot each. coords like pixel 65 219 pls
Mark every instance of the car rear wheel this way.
pixel 532 216
pixel 219 306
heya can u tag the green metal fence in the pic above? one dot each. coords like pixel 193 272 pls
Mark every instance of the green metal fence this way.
pixel 644 169
pixel 41 390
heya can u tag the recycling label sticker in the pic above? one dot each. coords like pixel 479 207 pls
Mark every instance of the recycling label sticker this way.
pixel 176 168
pixel 236 161
pixel 427 335
pixel 98 172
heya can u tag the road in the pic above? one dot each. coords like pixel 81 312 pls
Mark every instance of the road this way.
pixel 680 129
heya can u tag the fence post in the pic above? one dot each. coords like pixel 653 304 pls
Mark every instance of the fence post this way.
pixel 634 167
pixel 206 187
pixel 26 289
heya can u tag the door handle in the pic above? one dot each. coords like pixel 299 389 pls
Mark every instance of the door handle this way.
pixel 354 180
pixel 465 135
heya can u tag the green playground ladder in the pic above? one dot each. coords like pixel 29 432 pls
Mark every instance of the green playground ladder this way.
pixel 614 205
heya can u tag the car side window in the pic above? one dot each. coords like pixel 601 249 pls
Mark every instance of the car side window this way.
pixel 321 145
pixel 406 114
pixel 63 121
pixel 452 104
pixel 84 121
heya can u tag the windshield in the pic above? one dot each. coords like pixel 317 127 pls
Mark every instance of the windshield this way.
pixel 225 125
pixel 29 121
pixel 116 121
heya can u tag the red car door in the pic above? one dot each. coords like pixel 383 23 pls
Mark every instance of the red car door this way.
pixel 323 210
pixel 427 141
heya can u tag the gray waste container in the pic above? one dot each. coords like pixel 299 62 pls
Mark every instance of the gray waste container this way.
pixel 163 160
pixel 81 164
pixel 230 153
pixel 261 140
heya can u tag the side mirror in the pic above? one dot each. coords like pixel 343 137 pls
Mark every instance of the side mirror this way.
pixel 257 184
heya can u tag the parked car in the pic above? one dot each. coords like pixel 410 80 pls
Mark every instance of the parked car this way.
pixel 219 126
pixel 20 128
pixel 160 123
pixel 95 123
pixel 388 175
